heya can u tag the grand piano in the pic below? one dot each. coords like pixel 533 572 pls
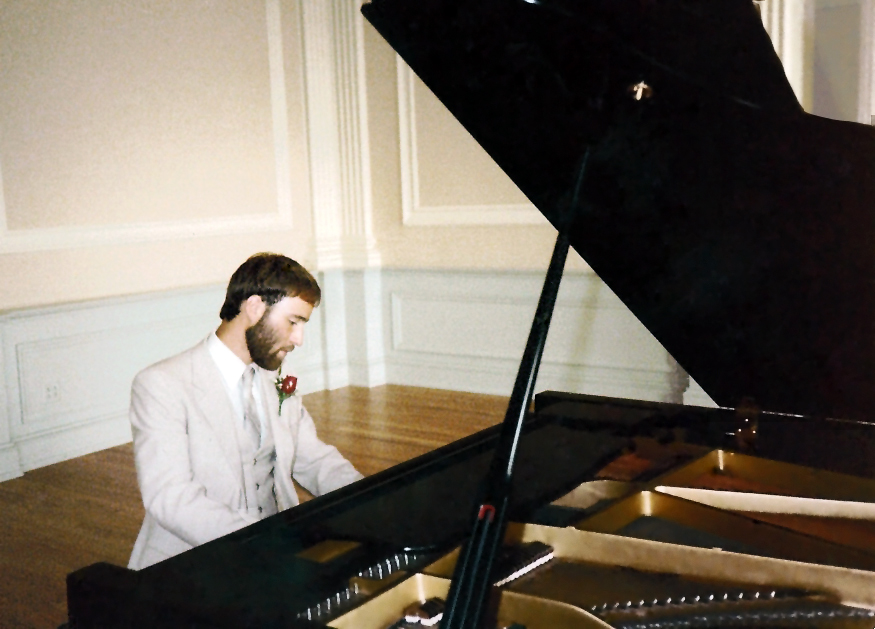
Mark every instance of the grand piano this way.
pixel 662 140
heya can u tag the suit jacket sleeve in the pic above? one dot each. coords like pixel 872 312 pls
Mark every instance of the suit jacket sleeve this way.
pixel 319 467
pixel 171 494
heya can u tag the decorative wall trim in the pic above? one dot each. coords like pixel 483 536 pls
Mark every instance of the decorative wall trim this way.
pixel 495 376
pixel 67 369
pixel 866 93
pixel 10 462
pixel 467 330
pixel 413 211
pixel 789 24
pixel 58 445
pixel 336 97
pixel 54 238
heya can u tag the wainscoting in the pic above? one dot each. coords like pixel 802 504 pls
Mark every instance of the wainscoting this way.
pixel 67 369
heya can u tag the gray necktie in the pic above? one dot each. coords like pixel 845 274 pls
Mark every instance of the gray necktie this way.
pixel 251 422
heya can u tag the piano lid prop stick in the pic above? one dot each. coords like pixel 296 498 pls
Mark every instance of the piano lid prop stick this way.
pixel 471 578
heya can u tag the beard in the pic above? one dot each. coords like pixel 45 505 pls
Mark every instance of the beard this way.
pixel 261 340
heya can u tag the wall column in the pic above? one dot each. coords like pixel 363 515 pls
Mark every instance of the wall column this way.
pixel 336 100
pixel 342 208
pixel 866 94
pixel 790 24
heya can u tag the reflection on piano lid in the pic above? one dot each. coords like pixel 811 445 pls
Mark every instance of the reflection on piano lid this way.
pixel 736 227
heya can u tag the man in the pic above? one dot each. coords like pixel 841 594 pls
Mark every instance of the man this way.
pixel 215 444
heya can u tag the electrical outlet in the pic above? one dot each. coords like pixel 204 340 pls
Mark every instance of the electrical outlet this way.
pixel 53 393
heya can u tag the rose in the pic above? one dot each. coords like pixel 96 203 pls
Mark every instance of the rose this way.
pixel 288 385
pixel 285 388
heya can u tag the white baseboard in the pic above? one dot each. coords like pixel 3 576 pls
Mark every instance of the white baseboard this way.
pixel 70 442
pixel 10 463
pixel 496 377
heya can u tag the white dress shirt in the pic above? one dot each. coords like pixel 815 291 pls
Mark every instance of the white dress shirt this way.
pixel 232 368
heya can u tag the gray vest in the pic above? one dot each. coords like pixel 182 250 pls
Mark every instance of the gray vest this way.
pixel 258 471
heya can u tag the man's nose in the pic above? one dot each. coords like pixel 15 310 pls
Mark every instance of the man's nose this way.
pixel 297 337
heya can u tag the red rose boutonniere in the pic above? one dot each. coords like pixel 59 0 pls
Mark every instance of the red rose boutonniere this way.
pixel 285 388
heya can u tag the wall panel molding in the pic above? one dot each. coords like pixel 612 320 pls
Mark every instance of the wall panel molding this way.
pixel 279 218
pixel 48 239
pixel 68 369
pixel 467 330
pixel 414 211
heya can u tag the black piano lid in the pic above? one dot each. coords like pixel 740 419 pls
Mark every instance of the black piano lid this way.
pixel 736 227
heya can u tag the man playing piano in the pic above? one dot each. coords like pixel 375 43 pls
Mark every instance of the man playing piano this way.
pixel 218 433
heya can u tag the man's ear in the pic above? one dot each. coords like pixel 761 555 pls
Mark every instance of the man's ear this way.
pixel 253 307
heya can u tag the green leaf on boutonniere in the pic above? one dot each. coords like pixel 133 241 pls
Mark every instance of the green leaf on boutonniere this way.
pixel 285 388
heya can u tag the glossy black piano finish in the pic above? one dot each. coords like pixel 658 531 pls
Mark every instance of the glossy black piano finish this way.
pixel 736 227
pixel 255 578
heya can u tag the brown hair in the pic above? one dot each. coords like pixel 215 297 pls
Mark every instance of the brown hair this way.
pixel 271 276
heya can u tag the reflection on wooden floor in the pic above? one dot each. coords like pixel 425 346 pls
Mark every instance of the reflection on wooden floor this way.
pixel 59 518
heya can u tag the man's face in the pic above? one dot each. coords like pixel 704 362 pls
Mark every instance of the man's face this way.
pixel 278 332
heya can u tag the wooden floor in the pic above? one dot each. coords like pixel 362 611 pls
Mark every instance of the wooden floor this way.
pixel 69 515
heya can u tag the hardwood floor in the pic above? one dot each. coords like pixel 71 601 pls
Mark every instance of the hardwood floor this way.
pixel 62 517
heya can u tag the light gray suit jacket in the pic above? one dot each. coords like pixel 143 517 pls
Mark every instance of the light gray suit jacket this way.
pixel 188 462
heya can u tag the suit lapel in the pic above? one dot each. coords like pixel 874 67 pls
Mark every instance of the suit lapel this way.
pixel 216 407
pixel 283 440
